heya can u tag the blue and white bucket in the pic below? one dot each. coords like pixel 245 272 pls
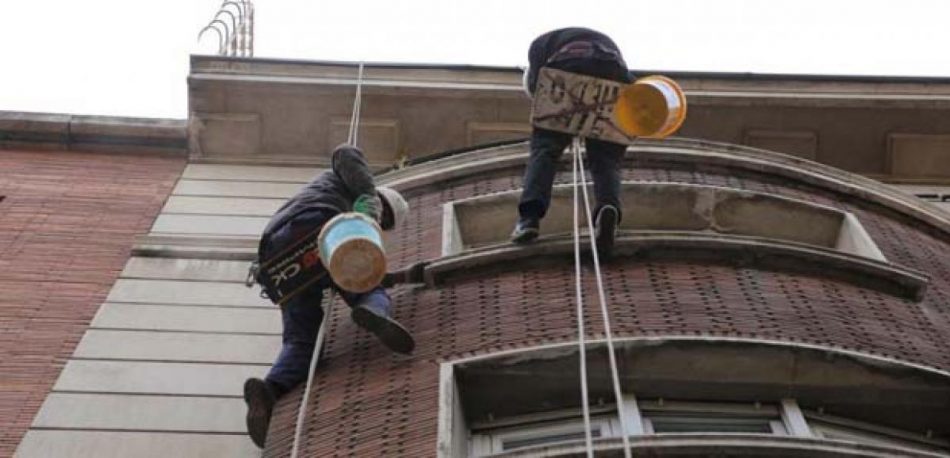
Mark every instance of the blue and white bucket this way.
pixel 351 249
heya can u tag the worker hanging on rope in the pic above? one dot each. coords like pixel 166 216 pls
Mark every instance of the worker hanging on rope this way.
pixel 586 52
pixel 299 280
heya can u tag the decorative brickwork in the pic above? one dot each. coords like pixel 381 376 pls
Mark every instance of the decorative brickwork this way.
pixel 67 225
pixel 368 402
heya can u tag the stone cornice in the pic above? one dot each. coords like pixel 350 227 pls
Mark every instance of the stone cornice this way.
pixel 685 153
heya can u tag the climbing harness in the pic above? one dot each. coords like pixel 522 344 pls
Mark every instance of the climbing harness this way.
pixel 323 330
pixel 580 180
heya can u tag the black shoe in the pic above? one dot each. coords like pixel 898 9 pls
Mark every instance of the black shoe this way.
pixel 606 228
pixel 390 333
pixel 260 404
pixel 526 230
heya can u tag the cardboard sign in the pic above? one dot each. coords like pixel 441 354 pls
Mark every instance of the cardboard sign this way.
pixel 577 104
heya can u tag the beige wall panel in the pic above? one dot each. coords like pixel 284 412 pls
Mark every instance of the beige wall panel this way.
pixel 185 292
pixel 248 173
pixel 235 189
pixel 108 444
pixel 378 138
pixel 185 269
pixel 913 155
pixel 156 378
pixel 228 134
pixel 178 346
pixel 188 318
pixel 151 413
pixel 235 206
pixel 803 144
pixel 486 132
pixel 250 226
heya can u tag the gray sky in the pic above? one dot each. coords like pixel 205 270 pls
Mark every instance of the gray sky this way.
pixel 130 58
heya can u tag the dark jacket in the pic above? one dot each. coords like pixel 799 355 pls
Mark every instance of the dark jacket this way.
pixel 335 189
pixel 553 46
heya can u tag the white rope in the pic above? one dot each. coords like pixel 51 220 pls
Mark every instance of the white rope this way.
pixel 301 411
pixel 357 104
pixel 615 376
pixel 581 341
pixel 318 344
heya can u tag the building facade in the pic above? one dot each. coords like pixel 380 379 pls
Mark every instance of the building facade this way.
pixel 771 294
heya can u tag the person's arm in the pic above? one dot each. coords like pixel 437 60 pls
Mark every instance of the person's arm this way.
pixel 350 165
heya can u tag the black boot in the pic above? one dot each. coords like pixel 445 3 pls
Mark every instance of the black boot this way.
pixel 526 230
pixel 606 228
pixel 260 399
pixel 390 333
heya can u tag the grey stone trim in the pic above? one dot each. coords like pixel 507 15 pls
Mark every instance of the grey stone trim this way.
pixel 93 133
pixel 687 246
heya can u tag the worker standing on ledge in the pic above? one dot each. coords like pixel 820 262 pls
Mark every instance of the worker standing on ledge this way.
pixel 348 186
pixel 586 52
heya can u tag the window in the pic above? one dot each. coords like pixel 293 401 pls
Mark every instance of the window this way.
pixel 843 429
pixel 692 417
pixel 656 416
pixel 528 401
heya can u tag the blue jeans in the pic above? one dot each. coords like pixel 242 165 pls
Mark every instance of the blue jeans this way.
pixel 547 146
pixel 303 314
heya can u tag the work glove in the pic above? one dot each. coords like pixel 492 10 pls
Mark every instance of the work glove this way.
pixel 369 205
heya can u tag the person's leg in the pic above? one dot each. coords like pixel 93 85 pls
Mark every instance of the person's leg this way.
pixel 301 316
pixel 372 311
pixel 546 148
pixel 604 159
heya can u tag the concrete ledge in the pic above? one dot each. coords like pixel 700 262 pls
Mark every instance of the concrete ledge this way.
pixel 185 247
pixel 725 445
pixel 92 133
pixel 690 247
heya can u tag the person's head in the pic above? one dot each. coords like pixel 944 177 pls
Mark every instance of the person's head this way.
pixel 395 208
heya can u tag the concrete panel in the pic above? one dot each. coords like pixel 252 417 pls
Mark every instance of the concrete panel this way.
pixel 235 189
pixel 156 378
pixel 217 225
pixel 188 318
pixel 111 444
pixel 185 269
pixel 178 346
pixel 222 206
pixel 914 155
pixel 228 134
pixel 378 138
pixel 185 292
pixel 485 132
pixel 150 413
pixel 797 143
pixel 249 173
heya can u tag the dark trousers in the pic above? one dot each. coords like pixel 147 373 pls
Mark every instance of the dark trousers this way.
pixel 547 146
pixel 603 160
pixel 303 314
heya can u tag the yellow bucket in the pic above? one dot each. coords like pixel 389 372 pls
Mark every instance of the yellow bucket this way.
pixel 653 106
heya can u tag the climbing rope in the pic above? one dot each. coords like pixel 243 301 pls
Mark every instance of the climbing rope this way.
pixel 580 180
pixel 581 341
pixel 321 333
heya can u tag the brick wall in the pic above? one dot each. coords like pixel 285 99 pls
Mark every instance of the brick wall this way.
pixel 67 224
pixel 368 402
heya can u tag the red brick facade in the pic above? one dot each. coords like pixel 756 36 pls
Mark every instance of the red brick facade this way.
pixel 368 402
pixel 67 224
